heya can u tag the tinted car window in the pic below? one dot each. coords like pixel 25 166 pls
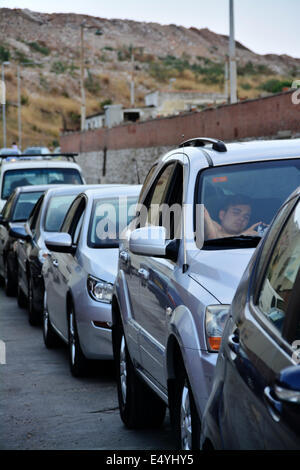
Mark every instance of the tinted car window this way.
pixel 109 218
pixel 252 183
pixel 24 205
pixel 281 273
pixel 56 211
pixel 37 176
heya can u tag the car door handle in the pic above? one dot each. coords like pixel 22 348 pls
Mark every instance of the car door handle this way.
pixel 234 343
pixel 274 406
pixel 55 263
pixel 143 273
pixel 124 256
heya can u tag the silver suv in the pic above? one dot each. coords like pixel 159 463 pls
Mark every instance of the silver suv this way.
pixel 202 210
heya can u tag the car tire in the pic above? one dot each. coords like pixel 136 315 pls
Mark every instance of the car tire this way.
pixel 34 317
pixel 139 406
pixel 51 339
pixel 185 417
pixel 77 360
pixel 21 297
pixel 9 286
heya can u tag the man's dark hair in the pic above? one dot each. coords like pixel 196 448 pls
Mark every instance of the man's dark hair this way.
pixel 236 200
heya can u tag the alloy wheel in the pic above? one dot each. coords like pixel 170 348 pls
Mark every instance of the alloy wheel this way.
pixel 123 369
pixel 185 420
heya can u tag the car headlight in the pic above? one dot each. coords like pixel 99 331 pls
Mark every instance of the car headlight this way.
pixel 99 290
pixel 215 319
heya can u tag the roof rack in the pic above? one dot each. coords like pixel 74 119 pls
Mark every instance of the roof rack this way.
pixel 68 156
pixel 217 145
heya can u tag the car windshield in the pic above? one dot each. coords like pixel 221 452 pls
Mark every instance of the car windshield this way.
pixel 36 150
pixel 241 200
pixel 56 211
pixel 24 205
pixel 108 219
pixel 28 176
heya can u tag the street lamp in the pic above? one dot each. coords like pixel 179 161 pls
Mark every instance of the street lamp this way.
pixel 19 99
pixel 83 102
pixel 232 58
pixel 3 102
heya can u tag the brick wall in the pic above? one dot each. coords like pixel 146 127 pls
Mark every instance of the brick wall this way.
pixel 141 143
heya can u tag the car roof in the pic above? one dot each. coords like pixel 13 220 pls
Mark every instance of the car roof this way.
pixel 75 188
pixel 31 188
pixel 28 164
pixel 242 152
pixel 117 190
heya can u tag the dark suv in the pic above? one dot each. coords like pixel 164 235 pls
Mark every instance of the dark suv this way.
pixel 255 401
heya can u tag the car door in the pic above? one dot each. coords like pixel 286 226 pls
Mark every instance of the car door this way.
pixel 129 266
pixel 5 217
pixel 27 247
pixel 261 346
pixel 158 275
pixel 61 267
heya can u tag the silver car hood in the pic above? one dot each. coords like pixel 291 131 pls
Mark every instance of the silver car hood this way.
pixel 220 271
pixel 102 263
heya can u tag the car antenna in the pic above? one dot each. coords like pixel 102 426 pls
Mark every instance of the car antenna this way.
pixel 185 266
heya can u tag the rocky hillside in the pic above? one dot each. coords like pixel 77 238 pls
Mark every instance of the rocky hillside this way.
pixel 47 47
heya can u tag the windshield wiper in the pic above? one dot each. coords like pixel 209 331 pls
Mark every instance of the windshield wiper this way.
pixel 240 241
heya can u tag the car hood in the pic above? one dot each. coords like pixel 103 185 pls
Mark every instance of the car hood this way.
pixel 219 272
pixel 102 263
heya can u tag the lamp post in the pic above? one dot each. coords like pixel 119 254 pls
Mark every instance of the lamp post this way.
pixel 4 102
pixel 82 90
pixel 232 58
pixel 19 100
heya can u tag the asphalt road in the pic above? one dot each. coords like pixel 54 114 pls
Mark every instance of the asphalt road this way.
pixel 42 407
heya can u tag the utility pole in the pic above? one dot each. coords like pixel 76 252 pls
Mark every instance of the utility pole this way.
pixel 83 105
pixel 132 97
pixel 19 109
pixel 4 102
pixel 232 57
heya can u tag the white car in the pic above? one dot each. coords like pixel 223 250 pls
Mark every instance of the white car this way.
pixel 36 172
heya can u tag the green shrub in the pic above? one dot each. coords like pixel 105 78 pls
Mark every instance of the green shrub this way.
pixel 58 67
pixel 39 47
pixel 4 54
pixel 275 86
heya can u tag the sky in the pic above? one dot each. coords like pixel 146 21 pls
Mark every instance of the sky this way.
pixel 264 26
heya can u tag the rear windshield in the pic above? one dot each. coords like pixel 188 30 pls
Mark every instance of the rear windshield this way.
pixel 108 219
pixel 243 199
pixel 56 211
pixel 28 176
pixel 24 205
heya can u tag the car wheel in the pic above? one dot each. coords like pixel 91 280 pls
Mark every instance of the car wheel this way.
pixel 186 419
pixel 51 339
pixel 139 406
pixel 21 298
pixel 8 281
pixel 77 360
pixel 34 317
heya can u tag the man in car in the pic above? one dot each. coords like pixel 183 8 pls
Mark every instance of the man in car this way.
pixel 234 218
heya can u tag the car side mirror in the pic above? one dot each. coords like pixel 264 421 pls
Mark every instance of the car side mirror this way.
pixel 60 242
pixel 287 385
pixel 151 241
pixel 19 232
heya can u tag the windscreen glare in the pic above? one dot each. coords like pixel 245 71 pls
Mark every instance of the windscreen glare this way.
pixel 24 205
pixel 34 176
pixel 108 219
pixel 243 199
